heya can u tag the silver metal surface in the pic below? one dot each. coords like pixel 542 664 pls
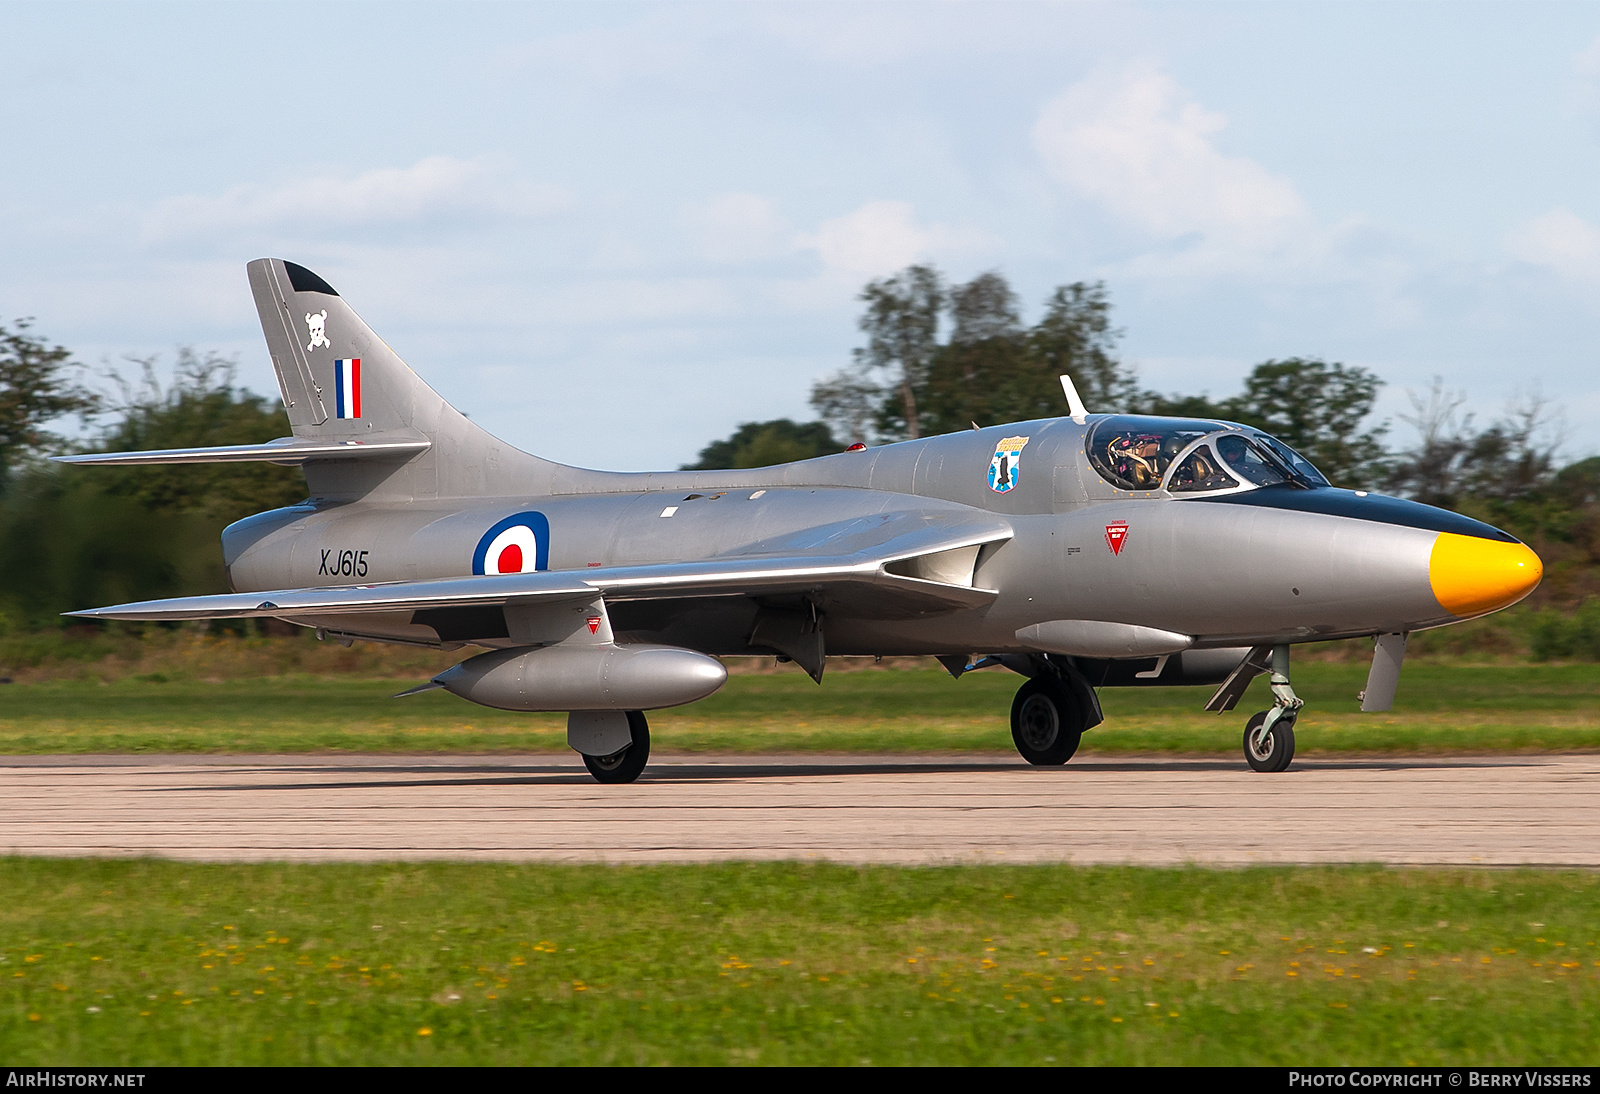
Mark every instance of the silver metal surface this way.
pixel 598 732
pixel 1095 638
pixel 604 677
pixel 1388 654
pixel 288 450
pixel 920 547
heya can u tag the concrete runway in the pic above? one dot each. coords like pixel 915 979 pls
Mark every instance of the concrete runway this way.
pixel 1500 810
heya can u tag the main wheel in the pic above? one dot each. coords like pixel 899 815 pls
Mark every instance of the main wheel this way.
pixel 1275 752
pixel 624 766
pixel 1046 723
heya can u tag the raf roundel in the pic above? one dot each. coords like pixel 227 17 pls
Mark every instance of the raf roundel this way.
pixel 519 544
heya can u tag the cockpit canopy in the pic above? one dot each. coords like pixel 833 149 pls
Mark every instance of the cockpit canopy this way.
pixel 1193 456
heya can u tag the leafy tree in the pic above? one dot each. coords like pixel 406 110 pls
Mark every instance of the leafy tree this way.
pixel 201 407
pixel 35 388
pixel 1578 484
pixel 1452 462
pixel 901 323
pixel 1577 490
pixel 75 537
pixel 1505 473
pixel 1315 407
pixel 980 375
pixel 1181 406
pixel 66 542
pixel 1075 338
pixel 762 444
pixel 848 405
pixel 993 369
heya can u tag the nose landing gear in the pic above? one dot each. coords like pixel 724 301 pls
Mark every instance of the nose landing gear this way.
pixel 1269 735
pixel 1269 747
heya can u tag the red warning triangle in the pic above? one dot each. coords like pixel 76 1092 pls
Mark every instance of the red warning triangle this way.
pixel 1116 533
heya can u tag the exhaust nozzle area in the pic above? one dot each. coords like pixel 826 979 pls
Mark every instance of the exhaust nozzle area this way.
pixel 565 678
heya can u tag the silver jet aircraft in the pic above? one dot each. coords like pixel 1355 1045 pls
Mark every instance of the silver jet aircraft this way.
pixel 1081 552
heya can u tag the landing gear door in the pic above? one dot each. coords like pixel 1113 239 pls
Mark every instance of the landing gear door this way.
pixel 1388 653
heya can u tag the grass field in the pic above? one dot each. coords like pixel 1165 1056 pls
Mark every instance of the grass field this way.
pixel 143 963
pixel 1442 707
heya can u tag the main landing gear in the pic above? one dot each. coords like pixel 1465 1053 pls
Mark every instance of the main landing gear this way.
pixel 624 765
pixel 1269 735
pixel 1047 721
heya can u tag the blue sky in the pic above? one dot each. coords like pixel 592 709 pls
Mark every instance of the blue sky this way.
pixel 612 232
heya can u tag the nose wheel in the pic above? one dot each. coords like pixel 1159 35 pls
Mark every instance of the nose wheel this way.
pixel 1269 747
pixel 1269 735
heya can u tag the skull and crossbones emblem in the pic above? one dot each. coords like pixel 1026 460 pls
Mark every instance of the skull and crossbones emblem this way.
pixel 314 323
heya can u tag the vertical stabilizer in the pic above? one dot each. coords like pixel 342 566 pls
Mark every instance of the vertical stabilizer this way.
pixel 341 382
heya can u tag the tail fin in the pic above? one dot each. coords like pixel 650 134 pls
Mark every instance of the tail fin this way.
pixel 340 382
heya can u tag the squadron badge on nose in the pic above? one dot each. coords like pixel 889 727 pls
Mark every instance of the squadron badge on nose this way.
pixel 1007 462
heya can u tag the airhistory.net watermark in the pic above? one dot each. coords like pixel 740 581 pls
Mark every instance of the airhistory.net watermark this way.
pixel 53 1078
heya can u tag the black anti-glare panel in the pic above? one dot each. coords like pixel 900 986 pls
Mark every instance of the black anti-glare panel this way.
pixel 1379 508
pixel 304 280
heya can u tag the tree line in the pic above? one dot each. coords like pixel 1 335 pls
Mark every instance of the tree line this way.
pixel 939 358
pixel 935 357
pixel 74 538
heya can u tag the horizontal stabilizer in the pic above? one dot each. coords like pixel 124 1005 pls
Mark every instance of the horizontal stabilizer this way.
pixel 286 450
pixel 872 581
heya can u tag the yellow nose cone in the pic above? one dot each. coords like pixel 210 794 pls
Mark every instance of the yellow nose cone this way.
pixel 1472 576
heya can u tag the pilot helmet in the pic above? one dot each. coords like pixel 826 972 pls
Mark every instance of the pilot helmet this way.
pixel 1129 443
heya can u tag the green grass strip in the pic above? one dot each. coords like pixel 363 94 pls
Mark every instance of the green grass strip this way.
pixel 1442 708
pixel 137 963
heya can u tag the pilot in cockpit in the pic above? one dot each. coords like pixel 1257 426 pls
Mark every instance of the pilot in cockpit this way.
pixel 1134 458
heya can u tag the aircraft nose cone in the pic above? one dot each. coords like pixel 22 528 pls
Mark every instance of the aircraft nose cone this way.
pixel 1471 576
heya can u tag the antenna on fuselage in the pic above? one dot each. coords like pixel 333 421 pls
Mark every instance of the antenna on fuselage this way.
pixel 1075 405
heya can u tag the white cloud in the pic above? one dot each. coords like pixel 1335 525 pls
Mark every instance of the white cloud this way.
pixel 1559 240
pixel 883 236
pixel 738 228
pixel 1138 144
pixel 1587 60
pixel 1586 75
pixel 437 187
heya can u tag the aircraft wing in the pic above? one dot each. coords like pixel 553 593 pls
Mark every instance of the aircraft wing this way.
pixel 922 564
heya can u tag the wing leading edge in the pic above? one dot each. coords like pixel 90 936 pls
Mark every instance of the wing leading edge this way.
pixel 923 571
pixel 286 450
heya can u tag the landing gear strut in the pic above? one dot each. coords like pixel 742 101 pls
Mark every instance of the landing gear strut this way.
pixel 624 765
pixel 1047 721
pixel 1269 735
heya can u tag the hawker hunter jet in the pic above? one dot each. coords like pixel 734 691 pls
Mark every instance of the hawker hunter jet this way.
pixel 1082 552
